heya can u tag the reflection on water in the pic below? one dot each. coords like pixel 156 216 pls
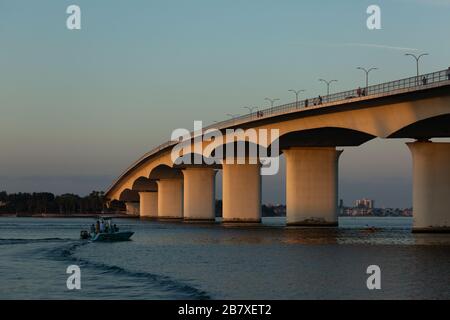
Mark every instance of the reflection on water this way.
pixel 190 261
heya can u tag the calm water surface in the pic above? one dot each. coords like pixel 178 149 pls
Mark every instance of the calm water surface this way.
pixel 189 261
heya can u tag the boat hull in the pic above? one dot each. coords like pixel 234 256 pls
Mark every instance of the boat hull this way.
pixel 116 236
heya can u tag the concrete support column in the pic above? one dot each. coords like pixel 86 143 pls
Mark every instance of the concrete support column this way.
pixel 199 194
pixel 241 192
pixel 132 208
pixel 170 199
pixel 431 186
pixel 312 186
pixel 148 204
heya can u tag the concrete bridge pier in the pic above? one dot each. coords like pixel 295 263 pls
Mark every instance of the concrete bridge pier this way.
pixel 312 186
pixel 431 186
pixel 199 194
pixel 148 204
pixel 170 199
pixel 132 208
pixel 241 192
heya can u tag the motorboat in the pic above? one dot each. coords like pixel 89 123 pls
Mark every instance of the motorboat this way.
pixel 110 232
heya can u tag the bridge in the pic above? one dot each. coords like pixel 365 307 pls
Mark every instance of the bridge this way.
pixel 310 132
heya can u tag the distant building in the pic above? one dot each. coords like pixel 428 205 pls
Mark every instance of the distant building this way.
pixel 365 207
pixel 358 212
pixel 365 204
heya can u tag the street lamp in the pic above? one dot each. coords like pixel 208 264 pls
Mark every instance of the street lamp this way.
pixel 328 85
pixel 272 101
pixel 367 71
pixel 233 115
pixel 250 109
pixel 417 60
pixel 296 92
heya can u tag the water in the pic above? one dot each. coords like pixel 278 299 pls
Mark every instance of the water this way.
pixel 190 261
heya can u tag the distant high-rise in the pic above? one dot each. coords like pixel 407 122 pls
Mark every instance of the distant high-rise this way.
pixel 364 203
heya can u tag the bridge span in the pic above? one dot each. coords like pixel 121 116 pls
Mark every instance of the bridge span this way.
pixel 310 132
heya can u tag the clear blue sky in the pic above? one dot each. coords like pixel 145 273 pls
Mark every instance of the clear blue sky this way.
pixel 77 107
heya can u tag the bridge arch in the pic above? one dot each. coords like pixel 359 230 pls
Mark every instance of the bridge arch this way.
pixel 238 150
pixel 163 171
pixel 195 159
pixel 131 200
pixel 432 127
pixel 323 137
pixel 143 184
pixel 129 195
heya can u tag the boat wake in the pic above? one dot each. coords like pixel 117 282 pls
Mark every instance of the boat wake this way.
pixel 27 241
pixel 173 289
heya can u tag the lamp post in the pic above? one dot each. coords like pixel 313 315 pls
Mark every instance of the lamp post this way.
pixel 367 71
pixel 328 86
pixel 296 92
pixel 272 101
pixel 233 116
pixel 250 109
pixel 417 58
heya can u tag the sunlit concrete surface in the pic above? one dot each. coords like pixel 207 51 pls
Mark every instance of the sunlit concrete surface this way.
pixel 199 194
pixel 431 186
pixel 170 199
pixel 312 186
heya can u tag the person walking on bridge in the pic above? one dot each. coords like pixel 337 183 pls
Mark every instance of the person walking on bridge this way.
pixel 424 80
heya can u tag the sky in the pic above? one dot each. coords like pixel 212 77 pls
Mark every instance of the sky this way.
pixel 77 107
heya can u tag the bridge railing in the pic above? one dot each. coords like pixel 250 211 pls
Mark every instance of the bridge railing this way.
pixel 383 88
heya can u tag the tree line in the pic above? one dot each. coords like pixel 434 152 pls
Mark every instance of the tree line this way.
pixel 95 202
pixel 46 202
pixel 266 210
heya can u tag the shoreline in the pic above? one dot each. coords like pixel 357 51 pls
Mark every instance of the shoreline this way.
pixel 67 215
pixel 126 216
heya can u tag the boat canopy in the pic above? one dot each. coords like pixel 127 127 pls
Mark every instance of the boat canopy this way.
pixel 104 218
